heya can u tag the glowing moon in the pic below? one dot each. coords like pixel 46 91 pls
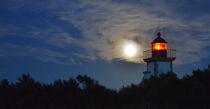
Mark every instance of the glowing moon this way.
pixel 130 50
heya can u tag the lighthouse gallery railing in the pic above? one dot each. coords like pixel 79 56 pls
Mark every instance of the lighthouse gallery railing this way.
pixel 171 53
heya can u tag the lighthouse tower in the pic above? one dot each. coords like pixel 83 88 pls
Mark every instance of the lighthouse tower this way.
pixel 159 59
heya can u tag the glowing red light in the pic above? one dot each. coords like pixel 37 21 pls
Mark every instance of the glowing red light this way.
pixel 159 46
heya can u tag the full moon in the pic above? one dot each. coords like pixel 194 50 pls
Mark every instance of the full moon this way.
pixel 130 50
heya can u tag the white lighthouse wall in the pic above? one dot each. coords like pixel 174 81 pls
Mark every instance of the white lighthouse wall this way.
pixel 163 67
pixel 151 67
pixel 150 71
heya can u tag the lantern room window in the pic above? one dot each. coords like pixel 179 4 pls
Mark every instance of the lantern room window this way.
pixel 159 46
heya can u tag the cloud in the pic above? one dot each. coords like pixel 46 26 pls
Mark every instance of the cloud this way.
pixel 106 25
pixel 44 55
pixel 113 22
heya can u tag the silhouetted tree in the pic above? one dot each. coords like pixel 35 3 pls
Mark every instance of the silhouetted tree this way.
pixel 163 92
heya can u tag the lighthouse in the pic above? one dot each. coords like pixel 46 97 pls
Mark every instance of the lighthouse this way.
pixel 159 58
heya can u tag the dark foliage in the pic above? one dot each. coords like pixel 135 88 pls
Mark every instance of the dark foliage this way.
pixel 164 92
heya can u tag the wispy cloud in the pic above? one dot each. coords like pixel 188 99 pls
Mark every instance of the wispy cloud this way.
pixel 44 55
pixel 106 25
pixel 113 22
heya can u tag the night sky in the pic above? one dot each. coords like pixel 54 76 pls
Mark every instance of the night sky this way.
pixel 58 39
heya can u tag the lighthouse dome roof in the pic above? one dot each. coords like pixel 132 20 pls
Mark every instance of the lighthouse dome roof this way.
pixel 159 39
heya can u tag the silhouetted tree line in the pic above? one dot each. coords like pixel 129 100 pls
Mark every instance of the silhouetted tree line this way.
pixel 163 92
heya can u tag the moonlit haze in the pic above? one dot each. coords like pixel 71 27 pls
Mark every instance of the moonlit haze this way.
pixel 130 50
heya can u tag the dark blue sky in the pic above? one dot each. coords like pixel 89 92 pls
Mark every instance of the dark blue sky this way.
pixel 58 39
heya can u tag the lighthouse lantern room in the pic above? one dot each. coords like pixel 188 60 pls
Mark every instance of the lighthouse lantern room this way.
pixel 159 59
